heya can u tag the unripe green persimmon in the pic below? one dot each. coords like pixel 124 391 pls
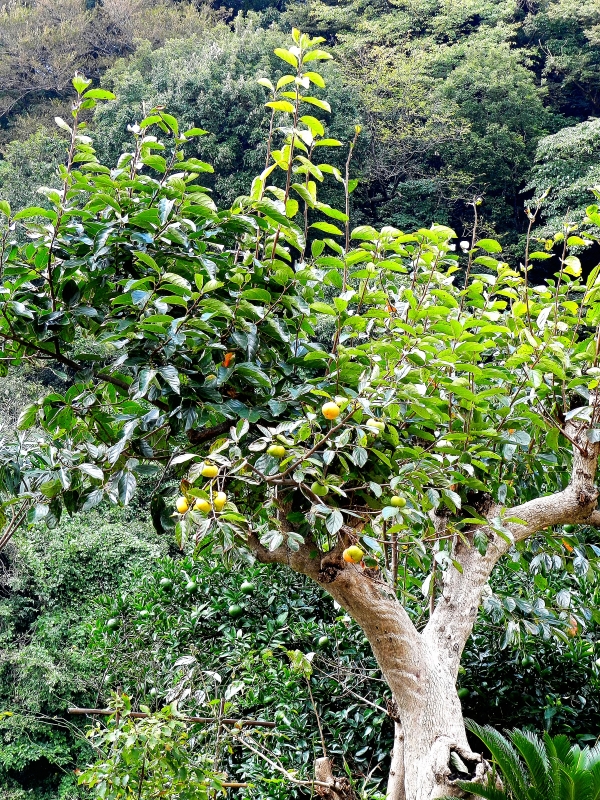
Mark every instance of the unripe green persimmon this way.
pixel 377 424
pixel 397 501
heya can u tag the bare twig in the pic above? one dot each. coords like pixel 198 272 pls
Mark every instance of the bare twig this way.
pixel 254 723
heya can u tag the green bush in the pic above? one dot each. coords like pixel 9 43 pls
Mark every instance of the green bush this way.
pixel 47 605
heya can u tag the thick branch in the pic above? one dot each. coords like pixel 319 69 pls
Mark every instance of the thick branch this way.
pixel 196 436
pixel 452 621
pixel 68 362
pixel 306 560
pixel 594 519
pixel 396 643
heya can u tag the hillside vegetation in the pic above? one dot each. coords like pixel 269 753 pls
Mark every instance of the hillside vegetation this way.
pixel 466 121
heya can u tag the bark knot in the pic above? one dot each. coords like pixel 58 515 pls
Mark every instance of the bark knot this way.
pixel 586 498
pixel 392 710
pixel 336 788
pixel 329 572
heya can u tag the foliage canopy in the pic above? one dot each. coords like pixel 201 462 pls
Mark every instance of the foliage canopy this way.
pixel 189 318
pixel 312 386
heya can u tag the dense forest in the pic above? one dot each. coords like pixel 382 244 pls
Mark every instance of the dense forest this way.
pixel 479 117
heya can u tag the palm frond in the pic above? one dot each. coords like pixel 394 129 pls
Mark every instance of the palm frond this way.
pixel 592 756
pixel 488 791
pixel 577 757
pixel 555 763
pixel 594 771
pixel 505 755
pixel 562 746
pixel 575 785
pixel 533 750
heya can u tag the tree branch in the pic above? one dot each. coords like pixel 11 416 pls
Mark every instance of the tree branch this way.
pixel 196 436
pixel 68 362
pixel 306 560
pixel 452 621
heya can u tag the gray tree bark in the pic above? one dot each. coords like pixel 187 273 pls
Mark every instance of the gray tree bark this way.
pixel 396 785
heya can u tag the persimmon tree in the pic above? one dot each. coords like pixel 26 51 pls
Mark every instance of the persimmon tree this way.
pixel 387 414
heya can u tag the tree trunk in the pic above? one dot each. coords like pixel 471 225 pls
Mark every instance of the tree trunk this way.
pixel 396 786
pixel 431 750
pixel 432 738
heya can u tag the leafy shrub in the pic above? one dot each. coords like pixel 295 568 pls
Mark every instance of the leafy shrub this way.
pixel 47 606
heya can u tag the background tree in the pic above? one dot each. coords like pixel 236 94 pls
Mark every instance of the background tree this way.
pixel 43 43
pixel 436 394
pixel 566 166
pixel 566 35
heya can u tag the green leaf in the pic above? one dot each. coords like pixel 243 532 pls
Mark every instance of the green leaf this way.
pixel 35 211
pixel 316 55
pixel 99 94
pixel 170 121
pixel 327 227
pixel 286 56
pixel 315 78
pixel 572 266
pixel 315 101
pixel 80 83
pixel 171 376
pixel 253 374
pixel 480 540
pixel 195 165
pixel 257 294
pixel 27 417
pixel 215 307
pixel 323 308
pixel 194 132
pixel 334 521
pixel 62 124
pixel 266 83
pixel 328 143
pixel 304 194
pixel 93 471
pixel 155 162
pixel 332 212
pixel 489 245
pixel 271 211
pixel 313 124
pixel 127 486
pixel 281 105
pixel 291 208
